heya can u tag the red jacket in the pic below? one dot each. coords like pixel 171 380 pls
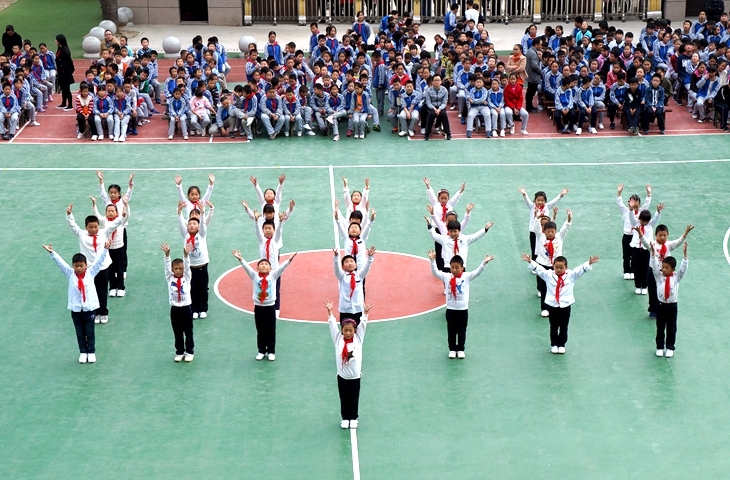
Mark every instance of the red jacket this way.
pixel 513 97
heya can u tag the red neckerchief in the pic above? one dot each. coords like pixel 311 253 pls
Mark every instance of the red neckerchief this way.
pixel 114 233
pixel 354 246
pixel 667 287
pixel 561 284
pixel 663 251
pixel 443 212
pixel 550 250
pixel 268 246
pixel 456 246
pixel 179 288
pixel 191 240
pixel 642 229
pixel 264 287
pixel 452 283
pixel 353 283
pixel 81 285
pixel 345 353
pixel 93 237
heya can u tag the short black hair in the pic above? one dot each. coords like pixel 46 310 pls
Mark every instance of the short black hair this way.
pixel 661 228
pixel 457 259
pixel 90 219
pixel 78 258
pixel 561 259
pixel 453 225
pixel 671 261
pixel 645 215
pixel 550 224
pixel 268 208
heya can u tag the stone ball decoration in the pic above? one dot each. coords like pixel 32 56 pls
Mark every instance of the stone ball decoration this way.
pixel 108 25
pixel 98 33
pixel 244 42
pixel 171 45
pixel 125 15
pixel 91 46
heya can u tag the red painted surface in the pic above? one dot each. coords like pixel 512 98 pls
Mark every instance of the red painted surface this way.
pixel 399 285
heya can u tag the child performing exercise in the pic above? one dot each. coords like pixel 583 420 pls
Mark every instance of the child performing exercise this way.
pixel 635 207
pixel 539 207
pixel 457 299
pixel 559 297
pixel 193 199
pixel 351 279
pixel 177 274
pixel 348 357
pixel 667 284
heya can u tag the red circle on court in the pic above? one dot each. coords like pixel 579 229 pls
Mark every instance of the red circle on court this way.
pixel 400 285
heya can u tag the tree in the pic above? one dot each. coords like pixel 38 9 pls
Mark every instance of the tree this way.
pixel 109 10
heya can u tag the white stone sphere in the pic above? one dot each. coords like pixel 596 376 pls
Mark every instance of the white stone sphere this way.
pixel 108 25
pixel 97 32
pixel 91 45
pixel 171 45
pixel 244 42
pixel 125 15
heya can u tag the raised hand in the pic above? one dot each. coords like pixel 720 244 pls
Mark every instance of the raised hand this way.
pixel 334 250
pixel 431 254
pixel 430 209
pixel 367 182
pixel 427 182
pixel 291 204
pixel 165 248
pixel 660 207
pixel 463 186
pixel 93 200
pixel 48 248
pixel 489 225
pixel 344 181
pixel 620 189
pixel 256 215
pixel 648 190
pixel 131 178
pixel 564 191
pixel 488 258
pixel 282 177
pixel 593 260
pixel 372 215
pixel 526 258
pixel 238 256
pixel 371 251
pixel 178 179
pixel 368 306
pixel 208 204
pixel 328 305
pixel 253 180
pixel 570 215
pixel 245 204
pixel 428 220
pixel 638 230
pixel 555 210
pixel 100 176
pixel 684 249
pixel 282 217
pixel 69 209
pixel 108 243
pixel 211 178
pixel 187 249
pixel 180 206
pixel 522 191
pixel 469 208
pixel 291 259
pixel 688 229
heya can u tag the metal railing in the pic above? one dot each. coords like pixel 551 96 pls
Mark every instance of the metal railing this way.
pixel 275 11
pixel 508 10
pixel 566 10
pixel 620 9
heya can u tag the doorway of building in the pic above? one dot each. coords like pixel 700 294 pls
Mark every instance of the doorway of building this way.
pixel 193 10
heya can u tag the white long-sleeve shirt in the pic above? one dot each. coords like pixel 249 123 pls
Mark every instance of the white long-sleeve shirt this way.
pixel 181 297
pixel 648 230
pixel 353 368
pixel 566 290
pixel 108 201
pixel 661 253
pixel 256 281
pixel 542 244
pixel 274 219
pixel 117 235
pixel 199 253
pixel 351 302
pixel 661 280
pixel 436 219
pixel 447 252
pixel 86 241
pixel 277 197
pixel 273 256
pixel 460 301
pixel 189 206
pixel 350 207
pixel 540 211
pixel 76 302
pixel 362 254
pixel 626 213
pixel 441 209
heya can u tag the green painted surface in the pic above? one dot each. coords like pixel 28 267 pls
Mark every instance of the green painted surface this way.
pixel 607 409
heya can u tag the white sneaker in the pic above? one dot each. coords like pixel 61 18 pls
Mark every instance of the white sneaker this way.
pixel 637 291
pixel 452 354
pixel 544 313
pixel 402 134
pixel 299 134
pixel 345 424
pixel 336 138
pixel 501 133
pixel 123 138
pixel 249 121
pixel 694 115
pixel 125 275
pixel 195 315
pixel 593 130
pixel 632 276
pixel 96 137
pixel 578 131
pixel 310 133
pixel 111 137
pixel 331 120
pixel 525 132
pixel 494 133
pixel 512 130
pixel 121 293
pixel 353 424
pixel 411 133
pixel 272 357
pixel 203 315
pixel 169 137
pixel 575 128
pixel 189 357
pixel 644 291
pixel 278 312
pixel 669 354
pixel 91 358
pixel 115 139
pixel 113 292
pixel 539 295
pixel 97 319
pixel 79 136
pixel 307 127
pixel 82 358
pixel 627 276
pixel 561 350
pixel 260 356
pixel 600 126
pixel 459 116
pixel 185 137
pixel 460 355
pixel 659 353
pixel 286 134
pixel 35 124
pixel 179 358
pixel 104 318
pixel 554 350
pixel 453 107
pixel 423 131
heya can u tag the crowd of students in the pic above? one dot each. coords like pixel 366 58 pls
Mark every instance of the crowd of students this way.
pixel 349 82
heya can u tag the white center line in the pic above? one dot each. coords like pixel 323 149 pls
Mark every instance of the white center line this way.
pixel 355 456
pixel 724 245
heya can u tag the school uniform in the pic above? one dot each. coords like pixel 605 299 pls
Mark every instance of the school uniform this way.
pixel 292 109
pixel 116 269
pixel 661 251
pixel 460 246
pixel 633 102
pixel 478 106
pixel 108 201
pixel 350 206
pixel 198 264
pixel 640 259
pixel 535 210
pixel 264 298
pixel 457 303
pixel 440 210
pixel 352 297
pixel 547 251
pixel 559 299
pixel 178 108
pixel 629 231
pixel 348 358
pixel 269 108
pixel 667 290
pixel 359 109
pixel 564 100
pixel 495 100
pixel 82 299
pixel 123 106
pixel 586 101
pixel 617 96
pixel 181 315
pixel 190 206
pixel 9 105
pixel 653 99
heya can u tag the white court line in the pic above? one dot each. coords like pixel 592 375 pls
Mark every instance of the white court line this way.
pixel 724 245
pixel 18 132
pixel 405 165
pixel 355 455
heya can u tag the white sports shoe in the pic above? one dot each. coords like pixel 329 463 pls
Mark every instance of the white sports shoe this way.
pixel 411 133
pixel 79 136
pixel 637 291
pixel 644 291
pixel 452 354
pixel 554 350
pixel 179 358
pixel 460 355
pixel 525 132
pixel 561 350
pixel 539 295
pixel 512 130
pixel 96 137
pixel 331 119
pixel 113 292
pixel 272 357
pixel 593 130
pixel 660 353
pixel 260 356
pixel 627 276
pixel 669 354
pixel 104 318
pixel 353 424
pixel 121 293
pixel 203 315
pixel 82 358
pixel 35 124
pixel 501 133
pixel 111 137
pixel 97 319
pixel 189 357
pixel 115 139
pixel 544 313
pixel 195 315
pixel 169 137
pixel 123 138
pixel 578 131
pixel 91 358
pixel 632 276
pixel 345 424
pixel 494 133
pixel 600 126
pixel 402 134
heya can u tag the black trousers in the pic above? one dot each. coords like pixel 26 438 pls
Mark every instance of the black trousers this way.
pixel 81 121
pixel 627 253
pixel 354 316
pixel 349 397
pixel 653 298
pixel 724 109
pixel 265 318
pixel 582 115
pixel 533 240
pixel 442 118
pixel 84 325
pixel 666 319
pixel 277 302
pixel 456 321
pixel 124 249
pixel 563 120
pixel 116 272
pixel 181 319
pixel 632 121
pixel 531 91
pixel 66 98
pixel 101 282
pixel 649 117
pixel 611 110
pixel 640 263
pixel 199 288
pixel 437 248
pixel 542 287
pixel 559 318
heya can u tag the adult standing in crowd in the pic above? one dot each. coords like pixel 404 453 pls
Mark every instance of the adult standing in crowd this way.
pixel 534 72
pixel 65 67
pixel 10 39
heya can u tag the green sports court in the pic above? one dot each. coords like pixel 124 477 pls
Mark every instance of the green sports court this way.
pixel 607 409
